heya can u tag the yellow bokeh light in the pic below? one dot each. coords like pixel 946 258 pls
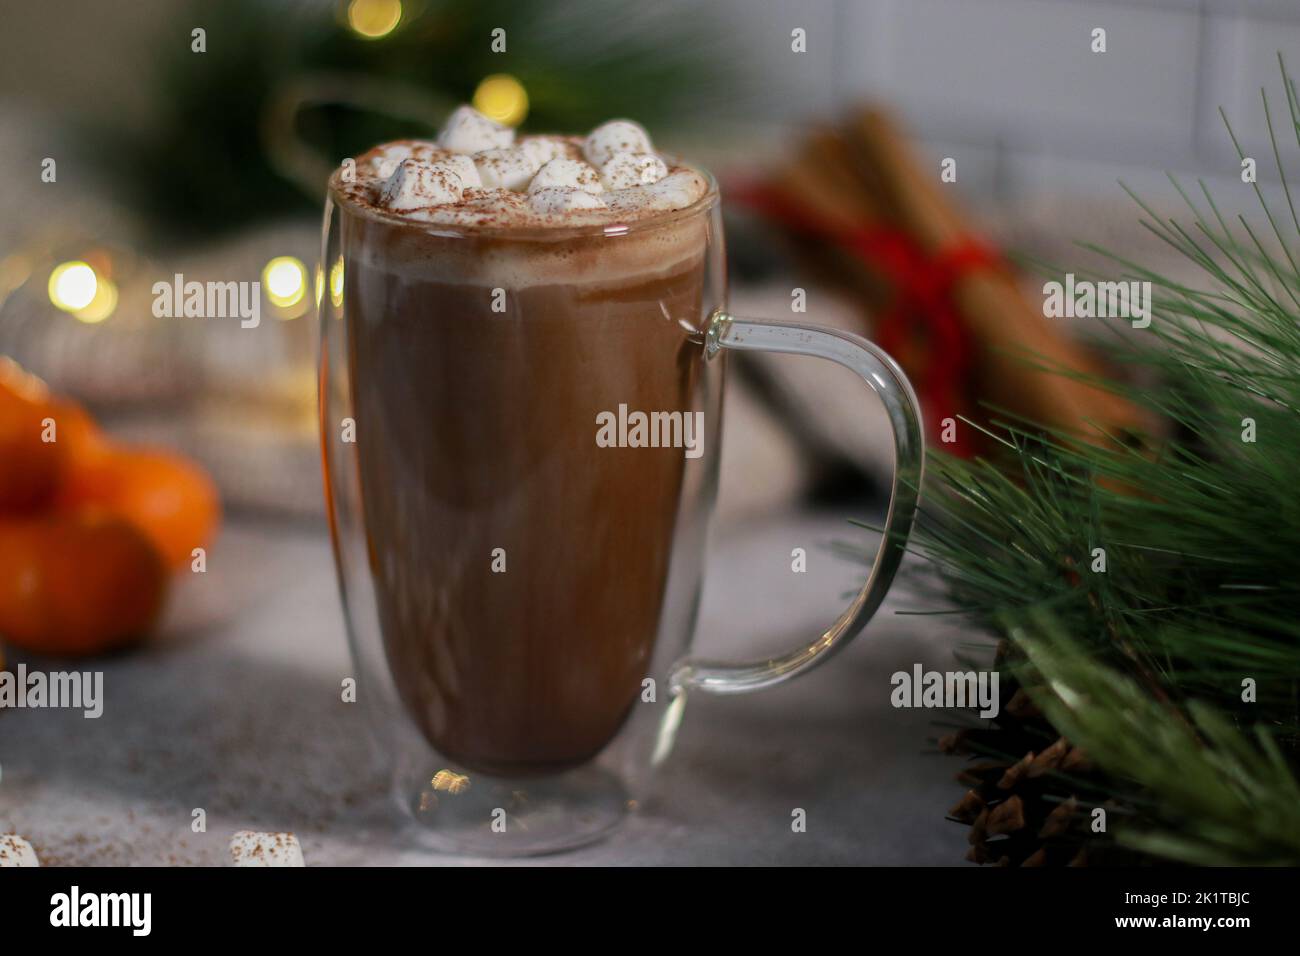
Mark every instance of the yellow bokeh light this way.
pixel 102 305
pixel 73 285
pixel 285 281
pixel 503 98
pixel 373 19
pixel 336 283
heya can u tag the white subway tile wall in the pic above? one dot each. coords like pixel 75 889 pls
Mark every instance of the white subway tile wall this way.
pixel 790 86
pixel 1025 68
pixel 1013 89
pixel 1241 58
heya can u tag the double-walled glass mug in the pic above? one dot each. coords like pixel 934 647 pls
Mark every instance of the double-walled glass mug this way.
pixel 520 433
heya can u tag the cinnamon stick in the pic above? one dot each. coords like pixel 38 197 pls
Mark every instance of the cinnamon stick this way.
pixel 1009 336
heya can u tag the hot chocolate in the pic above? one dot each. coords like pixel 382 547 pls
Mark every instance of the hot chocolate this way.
pixel 500 297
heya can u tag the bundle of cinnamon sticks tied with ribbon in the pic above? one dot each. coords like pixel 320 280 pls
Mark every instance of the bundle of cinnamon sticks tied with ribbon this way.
pixel 873 219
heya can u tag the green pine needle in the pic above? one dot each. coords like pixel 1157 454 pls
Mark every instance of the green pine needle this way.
pixel 1224 797
pixel 1146 664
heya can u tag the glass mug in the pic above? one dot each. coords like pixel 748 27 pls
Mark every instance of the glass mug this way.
pixel 520 435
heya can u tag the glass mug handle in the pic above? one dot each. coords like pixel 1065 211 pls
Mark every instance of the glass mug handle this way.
pixel 886 379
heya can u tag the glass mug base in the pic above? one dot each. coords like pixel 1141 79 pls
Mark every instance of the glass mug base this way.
pixel 479 815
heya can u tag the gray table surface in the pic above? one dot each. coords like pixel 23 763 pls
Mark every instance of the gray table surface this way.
pixel 234 708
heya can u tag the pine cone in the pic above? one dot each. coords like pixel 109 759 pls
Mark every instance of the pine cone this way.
pixel 1031 809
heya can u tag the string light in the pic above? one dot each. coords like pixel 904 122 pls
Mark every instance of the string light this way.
pixel 373 19
pixel 73 285
pixel 285 281
pixel 102 305
pixel 336 283
pixel 503 98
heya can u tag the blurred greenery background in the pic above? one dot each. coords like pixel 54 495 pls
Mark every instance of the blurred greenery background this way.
pixel 276 90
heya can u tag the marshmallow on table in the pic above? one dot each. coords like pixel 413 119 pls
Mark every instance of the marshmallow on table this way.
pixel 560 199
pixel 566 174
pixel 617 136
pixel 625 170
pixel 251 848
pixel 469 131
pixel 416 185
pixel 505 168
pixel 15 851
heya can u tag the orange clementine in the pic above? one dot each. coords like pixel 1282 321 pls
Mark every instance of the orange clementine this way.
pixel 78 433
pixel 78 583
pixel 169 498
pixel 30 465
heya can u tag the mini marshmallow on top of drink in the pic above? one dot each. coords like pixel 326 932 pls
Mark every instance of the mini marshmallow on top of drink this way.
pixel 554 174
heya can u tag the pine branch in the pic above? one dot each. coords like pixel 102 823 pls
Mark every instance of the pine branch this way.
pixel 1224 798
pixel 1147 584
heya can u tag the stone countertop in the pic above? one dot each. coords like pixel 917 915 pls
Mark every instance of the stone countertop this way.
pixel 235 709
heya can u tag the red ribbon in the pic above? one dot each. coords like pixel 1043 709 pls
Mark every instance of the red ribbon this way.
pixel 922 286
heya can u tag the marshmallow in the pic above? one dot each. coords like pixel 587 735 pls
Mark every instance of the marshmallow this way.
pixel 469 131
pixel 383 161
pixel 632 169
pixel 501 204
pixel 465 169
pixel 500 198
pixel 251 848
pixel 386 161
pixel 566 174
pixel 505 168
pixel 677 190
pixel 479 173
pixel 555 199
pixel 616 136
pixel 542 149
pixel 15 851
pixel 416 184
